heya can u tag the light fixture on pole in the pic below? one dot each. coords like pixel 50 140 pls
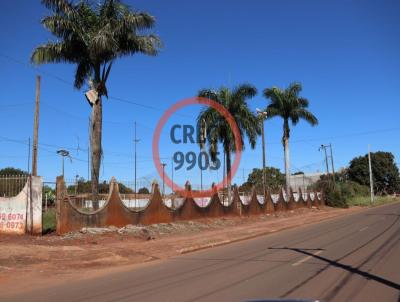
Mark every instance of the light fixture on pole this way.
pixel 63 154
pixel 263 115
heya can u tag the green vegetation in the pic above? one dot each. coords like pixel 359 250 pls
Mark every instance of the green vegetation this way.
pixel 384 170
pixel 366 201
pixel 50 193
pixel 143 191
pixel 92 35
pixel 216 127
pixel 10 171
pixel 49 222
pixel 84 186
pixel 290 107
pixel 352 184
pixel 274 180
pixel 12 181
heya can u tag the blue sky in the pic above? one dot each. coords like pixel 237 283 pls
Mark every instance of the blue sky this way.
pixel 345 53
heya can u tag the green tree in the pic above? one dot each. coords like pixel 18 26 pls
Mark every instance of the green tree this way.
pixel 290 107
pixel 12 172
pixel 274 179
pixel 12 181
pixel 216 127
pixel 144 190
pixel 49 194
pixel 92 35
pixel 84 186
pixel 384 170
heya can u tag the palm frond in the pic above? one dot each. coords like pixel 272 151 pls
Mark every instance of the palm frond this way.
pixel 53 53
pixel 83 71
pixel 303 102
pixel 244 91
pixel 138 21
pixel 94 34
pixel 59 6
pixel 294 89
pixel 307 116
pixel 60 26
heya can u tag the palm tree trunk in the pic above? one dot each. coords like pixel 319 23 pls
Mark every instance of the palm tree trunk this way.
pixel 95 145
pixel 287 157
pixel 228 173
pixel 287 165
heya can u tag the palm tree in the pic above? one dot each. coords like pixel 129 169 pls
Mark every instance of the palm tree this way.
pixel 290 106
pixel 217 129
pixel 93 36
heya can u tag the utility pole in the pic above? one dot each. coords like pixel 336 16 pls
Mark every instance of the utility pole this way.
pixel 36 128
pixel 262 115
pixel 172 174
pixel 135 141
pixel 326 159
pixel 29 154
pixel 371 182
pixel 88 153
pixel 333 167
pixel 163 178
pixel 76 184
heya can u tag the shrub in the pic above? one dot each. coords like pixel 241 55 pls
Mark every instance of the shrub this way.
pixel 335 198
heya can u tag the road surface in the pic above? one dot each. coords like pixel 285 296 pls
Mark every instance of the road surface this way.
pixel 352 258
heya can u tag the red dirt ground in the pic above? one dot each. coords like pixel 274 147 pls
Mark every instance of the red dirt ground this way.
pixel 32 260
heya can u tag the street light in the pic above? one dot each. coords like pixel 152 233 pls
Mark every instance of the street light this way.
pixel 63 154
pixel 263 115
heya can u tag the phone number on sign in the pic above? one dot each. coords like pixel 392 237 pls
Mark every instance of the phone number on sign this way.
pixel 11 221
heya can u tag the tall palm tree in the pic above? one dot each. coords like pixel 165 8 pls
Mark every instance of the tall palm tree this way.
pixel 216 127
pixel 290 106
pixel 92 35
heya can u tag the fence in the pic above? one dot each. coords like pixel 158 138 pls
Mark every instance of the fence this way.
pixel 11 185
pixel 81 197
pixel 21 206
pixel 168 208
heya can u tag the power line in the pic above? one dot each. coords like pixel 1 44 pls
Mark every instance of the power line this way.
pixel 119 99
pixel 355 134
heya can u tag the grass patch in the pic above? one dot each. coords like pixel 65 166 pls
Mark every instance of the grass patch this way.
pixel 366 201
pixel 49 221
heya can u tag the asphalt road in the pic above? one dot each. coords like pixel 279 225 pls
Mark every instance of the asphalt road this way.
pixel 352 258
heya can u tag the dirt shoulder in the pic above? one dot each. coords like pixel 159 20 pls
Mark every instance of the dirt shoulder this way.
pixel 33 260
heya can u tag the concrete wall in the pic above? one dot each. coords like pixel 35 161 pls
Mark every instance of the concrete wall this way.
pixel 23 213
pixel 303 181
pixel 70 218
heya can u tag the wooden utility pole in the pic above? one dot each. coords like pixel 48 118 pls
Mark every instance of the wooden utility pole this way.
pixel 36 128
pixel 333 167
pixel 326 161
pixel 135 140
pixel 371 182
